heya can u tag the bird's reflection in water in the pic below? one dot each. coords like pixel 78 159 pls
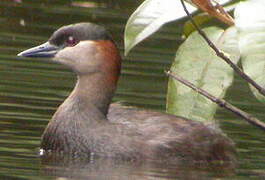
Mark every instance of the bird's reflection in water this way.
pixel 98 168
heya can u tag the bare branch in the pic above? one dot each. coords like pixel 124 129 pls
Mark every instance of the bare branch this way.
pixel 221 102
pixel 222 55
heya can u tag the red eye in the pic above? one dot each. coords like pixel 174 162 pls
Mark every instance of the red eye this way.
pixel 71 41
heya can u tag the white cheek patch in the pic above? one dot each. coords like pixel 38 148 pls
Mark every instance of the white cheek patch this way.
pixel 79 52
pixel 80 57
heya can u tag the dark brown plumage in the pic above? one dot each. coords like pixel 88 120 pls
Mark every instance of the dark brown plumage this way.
pixel 85 123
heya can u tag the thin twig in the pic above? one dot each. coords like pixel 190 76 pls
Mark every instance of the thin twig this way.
pixel 222 55
pixel 221 102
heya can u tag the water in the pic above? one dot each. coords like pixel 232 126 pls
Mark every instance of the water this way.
pixel 31 90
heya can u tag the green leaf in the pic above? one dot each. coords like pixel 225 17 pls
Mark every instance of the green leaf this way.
pixel 203 19
pixel 197 62
pixel 250 22
pixel 149 17
pixel 199 19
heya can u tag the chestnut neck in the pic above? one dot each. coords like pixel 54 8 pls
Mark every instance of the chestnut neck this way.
pixel 96 89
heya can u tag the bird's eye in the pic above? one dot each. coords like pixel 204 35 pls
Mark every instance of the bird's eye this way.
pixel 71 41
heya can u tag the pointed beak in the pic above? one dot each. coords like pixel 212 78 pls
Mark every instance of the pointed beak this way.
pixel 43 50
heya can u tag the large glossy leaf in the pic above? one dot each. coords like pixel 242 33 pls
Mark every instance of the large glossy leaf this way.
pixel 196 62
pixel 250 21
pixel 149 17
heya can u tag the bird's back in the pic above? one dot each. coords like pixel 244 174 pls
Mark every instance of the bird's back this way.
pixel 168 137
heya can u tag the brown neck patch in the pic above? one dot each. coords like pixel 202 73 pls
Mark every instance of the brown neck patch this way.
pixel 111 55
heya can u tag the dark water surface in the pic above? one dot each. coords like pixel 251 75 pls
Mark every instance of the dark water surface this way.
pixel 31 90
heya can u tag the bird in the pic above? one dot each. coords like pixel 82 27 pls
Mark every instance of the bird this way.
pixel 88 123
